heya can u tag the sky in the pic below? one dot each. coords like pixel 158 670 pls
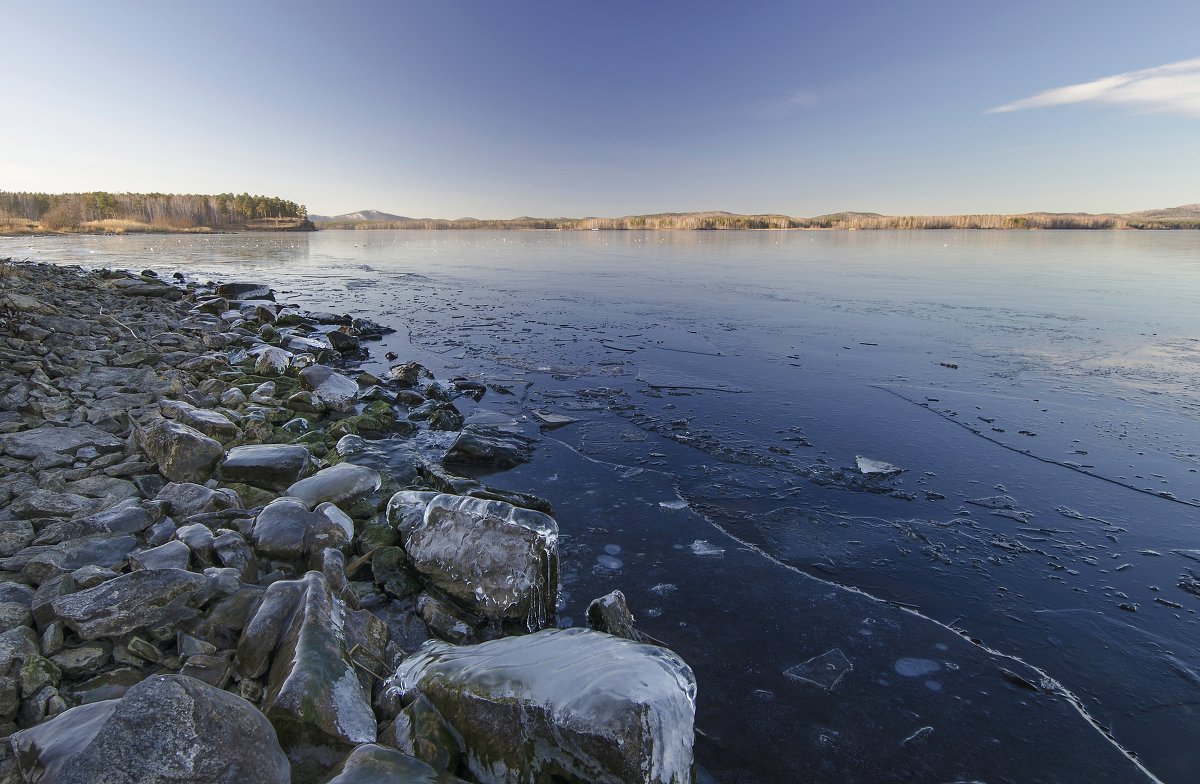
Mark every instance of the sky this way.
pixel 502 108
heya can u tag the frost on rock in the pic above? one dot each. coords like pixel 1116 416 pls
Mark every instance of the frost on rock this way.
pixel 569 705
pixel 495 559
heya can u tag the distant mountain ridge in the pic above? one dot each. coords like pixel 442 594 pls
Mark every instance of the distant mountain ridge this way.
pixel 361 215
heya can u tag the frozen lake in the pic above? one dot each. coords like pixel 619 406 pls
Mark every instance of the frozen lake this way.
pixel 1040 544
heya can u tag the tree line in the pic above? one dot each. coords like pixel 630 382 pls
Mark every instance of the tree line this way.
pixel 166 210
pixel 844 221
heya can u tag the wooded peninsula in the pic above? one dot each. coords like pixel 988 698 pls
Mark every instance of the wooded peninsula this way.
pixel 118 213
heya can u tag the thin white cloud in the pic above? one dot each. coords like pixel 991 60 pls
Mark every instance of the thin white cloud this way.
pixel 798 100
pixel 1170 89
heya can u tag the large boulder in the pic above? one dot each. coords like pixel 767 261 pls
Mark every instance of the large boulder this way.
pixel 332 388
pixel 314 696
pixel 269 466
pixel 168 729
pixel 495 559
pixel 136 600
pixel 344 482
pixel 375 764
pixel 561 705
pixel 183 453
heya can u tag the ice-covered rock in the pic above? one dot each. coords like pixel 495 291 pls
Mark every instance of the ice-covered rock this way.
pixel 314 697
pixel 494 447
pixel 168 729
pixel 569 705
pixel 269 466
pixel 496 559
pixel 344 482
pixel 869 467
pixel 272 361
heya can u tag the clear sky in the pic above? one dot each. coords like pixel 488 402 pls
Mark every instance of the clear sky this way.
pixel 500 108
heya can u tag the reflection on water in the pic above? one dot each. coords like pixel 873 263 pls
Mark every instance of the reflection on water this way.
pixel 1036 388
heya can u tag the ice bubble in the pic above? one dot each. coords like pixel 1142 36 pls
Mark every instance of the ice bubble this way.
pixel 914 668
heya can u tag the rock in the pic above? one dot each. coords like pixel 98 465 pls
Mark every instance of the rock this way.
pixel 445 621
pixel 342 342
pixel 185 499
pixel 490 446
pixel 108 685
pixel 233 398
pixel 44 503
pixel 375 764
pixel 211 423
pixel 406 510
pixel 234 552
pixel 610 614
pixel 168 729
pixel 15 535
pixel 132 601
pixel 183 454
pixel 305 402
pixel 272 361
pixel 409 374
pixel 333 389
pixel 82 662
pixel 127 517
pixel 561 705
pixel 342 483
pixel 31 444
pixel 232 291
pixel 13 614
pixel 314 697
pixel 40 562
pixel 269 466
pixel 172 555
pixel 497 560
pixel 285 529
pixel 392 572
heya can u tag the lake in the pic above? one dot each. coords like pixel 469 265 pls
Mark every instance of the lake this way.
pixel 914 506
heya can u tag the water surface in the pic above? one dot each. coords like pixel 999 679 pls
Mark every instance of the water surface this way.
pixel 1037 389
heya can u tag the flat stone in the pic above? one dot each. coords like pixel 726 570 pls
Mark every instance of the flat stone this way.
pixel 41 561
pixel 269 466
pixel 336 391
pixel 235 291
pixel 30 444
pixel 342 483
pixel 185 499
pixel 132 601
pixel 492 447
pixel 82 662
pixel 172 555
pixel 44 503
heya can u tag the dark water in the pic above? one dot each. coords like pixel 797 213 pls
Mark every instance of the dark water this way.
pixel 1038 390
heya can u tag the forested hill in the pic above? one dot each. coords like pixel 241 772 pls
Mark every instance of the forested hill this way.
pixel 22 212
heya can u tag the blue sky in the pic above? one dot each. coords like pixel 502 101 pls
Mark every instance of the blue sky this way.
pixel 502 108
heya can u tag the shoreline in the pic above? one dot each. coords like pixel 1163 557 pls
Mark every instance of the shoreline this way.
pixel 195 501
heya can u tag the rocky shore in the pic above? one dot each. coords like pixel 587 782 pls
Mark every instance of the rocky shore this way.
pixel 226 557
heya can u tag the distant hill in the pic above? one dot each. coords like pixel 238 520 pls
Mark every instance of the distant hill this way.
pixel 360 216
pixel 1185 212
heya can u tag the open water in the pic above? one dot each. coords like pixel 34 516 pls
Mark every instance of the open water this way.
pixel 1018 603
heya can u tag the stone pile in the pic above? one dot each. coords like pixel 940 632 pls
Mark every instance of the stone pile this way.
pixel 222 560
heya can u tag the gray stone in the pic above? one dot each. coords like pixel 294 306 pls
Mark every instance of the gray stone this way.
pixel 132 601
pixel 495 559
pixel 334 390
pixel 30 444
pixel 234 552
pixel 269 466
pixel 211 423
pixel 342 483
pixel 187 498
pixel 492 447
pixel 84 661
pixel 167 729
pixel 127 517
pixel 172 555
pixel 40 562
pixel 561 705
pixel 183 454
pixel 44 503
pixel 314 697
pixel 287 530
pixel 15 535
pixel 272 361
pixel 375 764
pixel 342 342
pixel 236 291
pixel 610 614
pixel 305 402
pixel 13 614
